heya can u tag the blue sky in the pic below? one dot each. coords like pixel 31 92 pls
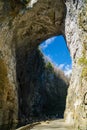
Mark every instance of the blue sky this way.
pixel 56 51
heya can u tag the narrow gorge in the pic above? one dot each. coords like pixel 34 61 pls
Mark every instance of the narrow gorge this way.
pixel 24 24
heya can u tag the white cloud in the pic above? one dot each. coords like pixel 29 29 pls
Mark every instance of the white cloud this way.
pixel 68 70
pixel 61 66
pixel 47 42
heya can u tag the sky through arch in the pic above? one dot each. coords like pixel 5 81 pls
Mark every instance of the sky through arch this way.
pixel 55 50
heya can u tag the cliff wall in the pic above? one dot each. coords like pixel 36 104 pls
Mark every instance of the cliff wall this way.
pixel 76 35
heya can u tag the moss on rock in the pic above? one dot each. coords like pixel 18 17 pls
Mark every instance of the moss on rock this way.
pixel 83 61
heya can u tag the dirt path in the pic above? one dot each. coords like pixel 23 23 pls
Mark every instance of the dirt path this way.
pixel 49 125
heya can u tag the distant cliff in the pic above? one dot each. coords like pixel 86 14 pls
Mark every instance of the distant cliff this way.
pixel 42 89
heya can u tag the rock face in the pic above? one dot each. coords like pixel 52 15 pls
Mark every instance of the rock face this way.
pixel 21 31
pixel 8 86
pixel 39 86
pixel 76 34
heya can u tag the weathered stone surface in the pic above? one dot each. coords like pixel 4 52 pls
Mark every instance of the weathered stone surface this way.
pixel 21 31
pixel 76 34
pixel 8 87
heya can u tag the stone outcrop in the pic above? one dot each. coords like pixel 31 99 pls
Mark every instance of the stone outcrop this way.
pixel 22 29
pixel 76 35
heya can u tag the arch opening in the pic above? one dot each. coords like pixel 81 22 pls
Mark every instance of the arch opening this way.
pixel 42 86
pixel 55 50
pixel 58 70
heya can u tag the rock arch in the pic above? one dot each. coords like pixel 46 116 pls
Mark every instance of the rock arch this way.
pixel 21 31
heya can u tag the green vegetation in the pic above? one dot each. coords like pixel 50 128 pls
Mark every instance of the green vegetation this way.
pixel 84 72
pixel 83 61
pixel 49 66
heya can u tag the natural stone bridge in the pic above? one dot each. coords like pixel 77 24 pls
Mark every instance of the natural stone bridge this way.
pixel 22 29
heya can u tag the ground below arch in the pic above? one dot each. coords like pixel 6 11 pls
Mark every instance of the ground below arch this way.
pixel 49 125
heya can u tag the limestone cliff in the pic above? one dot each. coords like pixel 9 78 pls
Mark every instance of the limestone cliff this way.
pixel 76 34
pixel 22 29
